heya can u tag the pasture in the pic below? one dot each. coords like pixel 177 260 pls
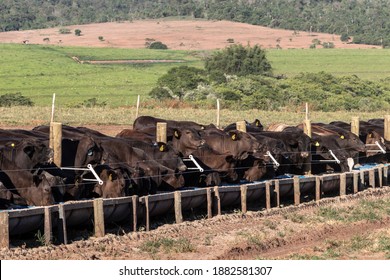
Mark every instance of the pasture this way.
pixel 38 71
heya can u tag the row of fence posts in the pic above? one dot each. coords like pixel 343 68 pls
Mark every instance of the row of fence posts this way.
pixel 213 201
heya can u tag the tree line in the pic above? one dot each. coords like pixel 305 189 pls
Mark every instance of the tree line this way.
pixel 241 76
pixel 359 21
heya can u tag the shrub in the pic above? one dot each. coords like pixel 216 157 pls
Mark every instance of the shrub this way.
pixel 14 99
pixel 328 45
pixel 77 32
pixel 158 46
pixel 64 31
pixel 93 102
pixel 160 93
pixel 344 37
pixel 101 38
pixel 238 60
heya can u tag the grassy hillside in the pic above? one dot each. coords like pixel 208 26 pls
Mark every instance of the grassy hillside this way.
pixel 39 71
pixel 369 64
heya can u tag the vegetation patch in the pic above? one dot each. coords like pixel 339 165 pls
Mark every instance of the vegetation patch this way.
pixel 14 99
pixel 166 245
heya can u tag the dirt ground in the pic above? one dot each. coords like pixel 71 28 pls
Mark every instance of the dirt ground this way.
pixel 282 233
pixel 176 34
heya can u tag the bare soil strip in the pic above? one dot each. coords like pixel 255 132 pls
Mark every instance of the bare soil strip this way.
pixel 276 234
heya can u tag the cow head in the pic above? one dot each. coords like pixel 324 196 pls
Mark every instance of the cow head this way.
pixel 186 140
pixel 113 183
pixel 40 192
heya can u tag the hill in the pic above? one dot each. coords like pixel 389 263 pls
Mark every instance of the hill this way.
pixel 176 34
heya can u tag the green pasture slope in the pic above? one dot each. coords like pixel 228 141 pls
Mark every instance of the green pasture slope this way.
pixel 38 71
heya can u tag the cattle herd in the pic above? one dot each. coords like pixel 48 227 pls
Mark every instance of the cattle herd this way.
pixel 194 155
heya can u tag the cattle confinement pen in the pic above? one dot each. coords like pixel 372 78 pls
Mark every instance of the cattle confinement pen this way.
pixel 137 211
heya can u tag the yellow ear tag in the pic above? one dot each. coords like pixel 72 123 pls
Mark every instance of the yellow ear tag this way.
pixel 342 137
pixel 176 134
pixel 370 135
pixel 162 148
pixel 13 145
pixel 110 177
pixel 257 123
pixel 317 144
pixel 234 137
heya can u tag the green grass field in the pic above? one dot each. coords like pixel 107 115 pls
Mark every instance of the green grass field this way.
pixel 38 71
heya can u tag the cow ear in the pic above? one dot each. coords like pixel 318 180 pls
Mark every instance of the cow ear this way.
pixel 162 146
pixel 112 175
pixel 229 158
pixel 37 179
pixel 29 150
pixel 176 133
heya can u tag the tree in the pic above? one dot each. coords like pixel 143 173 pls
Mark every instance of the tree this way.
pixel 238 60
pixel 177 81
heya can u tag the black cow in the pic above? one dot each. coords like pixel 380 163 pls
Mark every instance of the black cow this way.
pixel 372 136
pixel 255 126
pixel 143 122
pixel 217 167
pixel 114 183
pixel 25 151
pixel 23 188
pixel 296 152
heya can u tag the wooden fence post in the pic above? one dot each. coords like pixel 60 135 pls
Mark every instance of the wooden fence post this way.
pixel 217 201
pixel 380 175
pixel 277 193
pixel 55 142
pixel 307 127
pixel 137 109
pixel 218 114
pixel 297 191
pixel 4 230
pixel 343 184
pixel 161 132
pixel 241 126
pixel 178 210
pixel 307 131
pixel 146 211
pixel 209 203
pixel 355 182
pixel 355 125
pixel 371 178
pixel 134 202
pixel 387 128
pixel 98 214
pixel 268 195
pixel 48 232
pixel 385 174
pixel 62 230
pixel 355 129
pixel 318 189
pixel 244 190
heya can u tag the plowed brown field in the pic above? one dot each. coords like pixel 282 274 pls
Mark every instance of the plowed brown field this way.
pixel 176 34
